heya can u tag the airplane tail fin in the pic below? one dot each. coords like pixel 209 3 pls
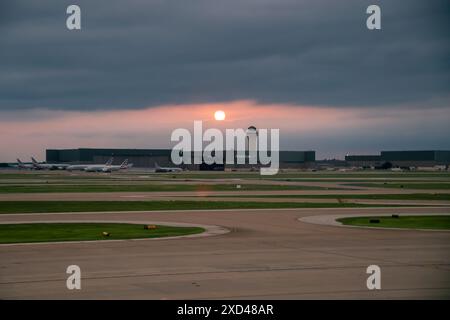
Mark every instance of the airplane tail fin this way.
pixel 35 163
pixel 124 164
pixel 110 161
pixel 157 166
pixel 20 164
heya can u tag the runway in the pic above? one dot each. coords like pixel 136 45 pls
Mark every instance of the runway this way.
pixel 269 254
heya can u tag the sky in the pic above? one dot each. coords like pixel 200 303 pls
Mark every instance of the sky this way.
pixel 139 69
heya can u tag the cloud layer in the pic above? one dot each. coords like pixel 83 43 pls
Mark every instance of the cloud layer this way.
pixel 138 54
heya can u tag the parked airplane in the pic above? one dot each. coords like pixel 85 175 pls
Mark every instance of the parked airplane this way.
pixel 49 166
pixel 107 168
pixel 166 169
pixel 84 166
pixel 22 165
pixel 124 165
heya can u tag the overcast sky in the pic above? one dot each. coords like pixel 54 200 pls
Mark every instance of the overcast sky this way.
pixel 137 55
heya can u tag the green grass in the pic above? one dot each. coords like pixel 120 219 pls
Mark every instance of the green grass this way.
pixel 223 175
pixel 49 232
pixel 52 175
pixel 424 185
pixel 130 180
pixel 149 188
pixel 318 174
pixel 407 222
pixel 363 180
pixel 413 196
pixel 98 206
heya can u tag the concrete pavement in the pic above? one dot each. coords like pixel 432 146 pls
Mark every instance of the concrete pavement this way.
pixel 268 254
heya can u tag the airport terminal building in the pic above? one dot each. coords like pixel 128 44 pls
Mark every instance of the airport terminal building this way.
pixel 425 158
pixel 146 158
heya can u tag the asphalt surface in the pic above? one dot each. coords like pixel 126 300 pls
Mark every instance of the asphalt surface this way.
pixel 269 254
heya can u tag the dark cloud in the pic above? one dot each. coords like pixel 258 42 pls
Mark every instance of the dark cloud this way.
pixel 136 53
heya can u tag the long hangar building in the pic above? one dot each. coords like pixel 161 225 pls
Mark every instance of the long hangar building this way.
pixel 146 158
pixel 425 158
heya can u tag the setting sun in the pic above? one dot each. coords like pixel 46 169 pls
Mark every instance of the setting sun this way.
pixel 219 115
